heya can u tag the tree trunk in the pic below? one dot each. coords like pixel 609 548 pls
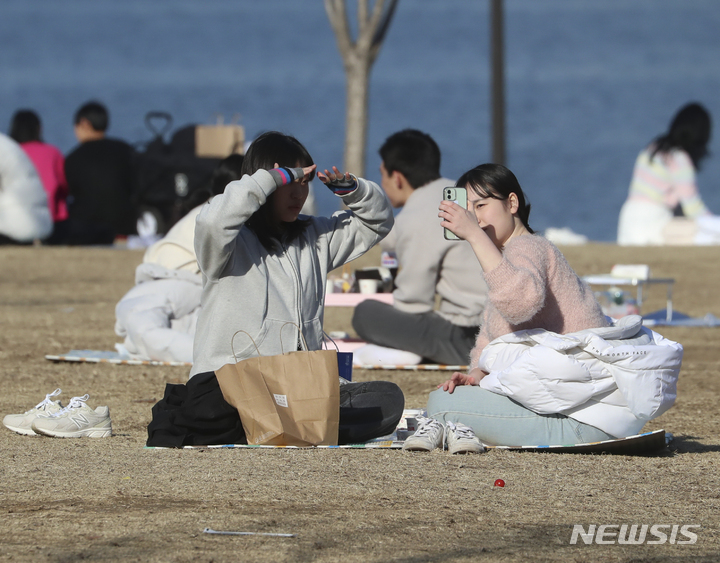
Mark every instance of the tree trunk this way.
pixel 356 122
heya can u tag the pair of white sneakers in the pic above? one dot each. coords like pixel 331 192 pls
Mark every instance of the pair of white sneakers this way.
pixel 50 418
pixel 431 434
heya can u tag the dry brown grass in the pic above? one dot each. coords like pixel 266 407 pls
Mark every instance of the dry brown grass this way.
pixel 67 500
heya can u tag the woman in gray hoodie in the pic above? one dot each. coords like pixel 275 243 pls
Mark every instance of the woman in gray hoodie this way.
pixel 264 265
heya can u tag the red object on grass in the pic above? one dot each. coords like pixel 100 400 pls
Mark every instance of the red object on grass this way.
pixel 499 483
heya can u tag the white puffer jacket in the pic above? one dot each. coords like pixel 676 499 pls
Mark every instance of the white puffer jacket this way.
pixel 614 378
pixel 24 212
pixel 159 315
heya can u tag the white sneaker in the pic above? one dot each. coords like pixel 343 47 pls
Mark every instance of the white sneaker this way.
pixel 430 434
pixel 22 423
pixel 75 421
pixel 462 440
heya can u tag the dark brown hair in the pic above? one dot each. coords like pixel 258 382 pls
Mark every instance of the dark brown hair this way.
pixel 264 152
pixel 497 182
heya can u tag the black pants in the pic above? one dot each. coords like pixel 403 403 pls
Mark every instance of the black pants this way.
pixel 425 334
pixel 197 414
pixel 6 240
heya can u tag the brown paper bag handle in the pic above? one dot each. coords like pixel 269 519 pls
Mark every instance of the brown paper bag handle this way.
pixel 282 349
pixel 232 340
pixel 331 340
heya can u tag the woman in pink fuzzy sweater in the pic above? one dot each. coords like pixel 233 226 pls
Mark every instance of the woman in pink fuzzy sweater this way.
pixel 530 285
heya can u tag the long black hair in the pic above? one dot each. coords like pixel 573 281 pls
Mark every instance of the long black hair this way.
pixel 267 150
pixel 497 182
pixel 25 126
pixel 689 131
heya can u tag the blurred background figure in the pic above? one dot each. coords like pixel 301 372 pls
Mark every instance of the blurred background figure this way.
pixel 663 185
pixel 176 250
pixel 26 129
pixel 24 213
pixel 158 316
pixel 101 179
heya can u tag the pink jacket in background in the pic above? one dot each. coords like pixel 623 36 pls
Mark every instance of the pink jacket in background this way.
pixel 50 165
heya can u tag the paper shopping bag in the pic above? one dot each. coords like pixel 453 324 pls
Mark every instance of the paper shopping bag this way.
pixel 219 140
pixel 292 399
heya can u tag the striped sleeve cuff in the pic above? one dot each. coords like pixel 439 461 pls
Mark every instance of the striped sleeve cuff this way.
pixel 284 176
pixel 344 187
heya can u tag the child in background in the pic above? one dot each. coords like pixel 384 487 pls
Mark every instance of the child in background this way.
pixel 265 265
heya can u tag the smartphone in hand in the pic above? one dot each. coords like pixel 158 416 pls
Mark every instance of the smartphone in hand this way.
pixel 459 196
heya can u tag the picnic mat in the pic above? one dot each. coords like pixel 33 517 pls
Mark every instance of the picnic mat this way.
pixel 640 444
pixel 659 318
pixel 386 444
pixel 107 357
pixel 632 445
pixel 412 367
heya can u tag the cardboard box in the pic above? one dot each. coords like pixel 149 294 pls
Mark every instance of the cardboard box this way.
pixel 219 141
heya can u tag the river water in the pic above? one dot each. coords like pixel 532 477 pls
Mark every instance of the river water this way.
pixel 588 82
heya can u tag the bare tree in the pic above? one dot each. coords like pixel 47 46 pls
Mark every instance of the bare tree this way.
pixel 358 57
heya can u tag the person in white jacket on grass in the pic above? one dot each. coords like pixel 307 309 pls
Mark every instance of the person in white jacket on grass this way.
pixel 264 266
pixel 24 213
pixel 158 316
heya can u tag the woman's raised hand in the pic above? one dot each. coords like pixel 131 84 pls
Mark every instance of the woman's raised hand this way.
pixel 334 176
pixel 460 221
pixel 341 184
pixel 306 173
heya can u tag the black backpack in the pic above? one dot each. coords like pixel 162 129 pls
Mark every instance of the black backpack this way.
pixel 169 172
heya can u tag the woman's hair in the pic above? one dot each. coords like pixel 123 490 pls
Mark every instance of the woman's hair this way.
pixel 497 182
pixel 267 150
pixel 689 131
pixel 25 126
pixel 228 170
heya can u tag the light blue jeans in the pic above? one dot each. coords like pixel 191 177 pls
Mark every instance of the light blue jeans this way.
pixel 500 421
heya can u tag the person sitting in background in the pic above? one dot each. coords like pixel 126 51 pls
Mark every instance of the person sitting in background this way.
pixel 101 180
pixel 24 212
pixel 157 317
pixel 430 267
pixel 663 182
pixel 26 129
